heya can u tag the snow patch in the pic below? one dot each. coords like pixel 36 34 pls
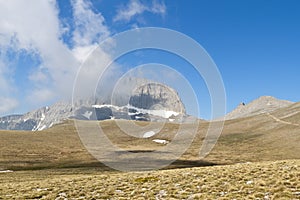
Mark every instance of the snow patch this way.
pixel 6 171
pixel 88 114
pixel 43 117
pixel 107 106
pixel 42 128
pixel 160 113
pixel 161 141
pixel 149 134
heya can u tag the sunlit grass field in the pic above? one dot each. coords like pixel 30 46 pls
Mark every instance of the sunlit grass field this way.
pixel 265 180
pixel 254 158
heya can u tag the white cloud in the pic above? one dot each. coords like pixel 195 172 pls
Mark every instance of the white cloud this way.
pixel 90 26
pixel 39 76
pixel 7 101
pixel 81 53
pixel 25 26
pixel 34 27
pixel 4 78
pixel 135 7
pixel 7 104
pixel 40 96
pixel 90 73
pixel 158 8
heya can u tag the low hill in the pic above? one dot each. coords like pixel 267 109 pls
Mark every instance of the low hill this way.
pixel 261 105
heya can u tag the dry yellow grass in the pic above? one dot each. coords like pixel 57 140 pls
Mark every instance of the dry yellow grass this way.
pixel 53 164
pixel 251 139
pixel 266 180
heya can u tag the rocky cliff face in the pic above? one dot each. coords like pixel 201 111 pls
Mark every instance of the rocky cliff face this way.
pixel 149 101
pixel 155 96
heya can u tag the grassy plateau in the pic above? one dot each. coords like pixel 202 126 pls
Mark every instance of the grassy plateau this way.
pixel 254 158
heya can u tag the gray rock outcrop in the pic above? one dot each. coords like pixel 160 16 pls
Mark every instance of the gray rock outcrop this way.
pixel 155 96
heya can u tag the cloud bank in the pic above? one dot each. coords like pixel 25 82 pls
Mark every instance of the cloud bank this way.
pixel 35 27
pixel 38 30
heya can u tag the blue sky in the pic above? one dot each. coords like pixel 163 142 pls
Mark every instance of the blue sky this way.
pixel 255 45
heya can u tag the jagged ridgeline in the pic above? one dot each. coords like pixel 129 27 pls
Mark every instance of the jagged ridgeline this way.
pixel 131 99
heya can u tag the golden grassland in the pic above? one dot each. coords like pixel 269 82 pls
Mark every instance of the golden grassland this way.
pixel 251 139
pixel 254 158
pixel 264 180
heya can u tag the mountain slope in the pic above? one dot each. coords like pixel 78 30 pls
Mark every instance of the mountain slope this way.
pixel 250 139
pixel 264 104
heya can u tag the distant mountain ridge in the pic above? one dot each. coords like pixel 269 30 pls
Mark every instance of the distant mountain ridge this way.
pixel 149 102
pixel 264 104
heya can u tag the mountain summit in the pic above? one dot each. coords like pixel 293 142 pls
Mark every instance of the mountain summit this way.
pixel 264 104
pixel 156 96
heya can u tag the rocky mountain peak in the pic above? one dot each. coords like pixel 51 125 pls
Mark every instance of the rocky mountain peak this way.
pixel 149 101
pixel 156 96
pixel 261 105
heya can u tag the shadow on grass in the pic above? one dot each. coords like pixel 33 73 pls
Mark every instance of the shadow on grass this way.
pixel 189 164
pixel 63 165
pixel 98 166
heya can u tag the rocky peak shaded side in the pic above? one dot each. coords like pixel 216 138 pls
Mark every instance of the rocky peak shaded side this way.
pixel 156 96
